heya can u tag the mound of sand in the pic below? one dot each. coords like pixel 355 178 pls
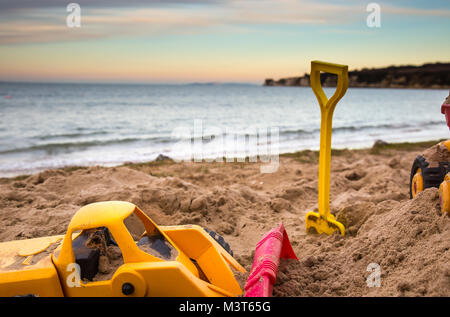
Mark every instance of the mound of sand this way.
pixel 408 239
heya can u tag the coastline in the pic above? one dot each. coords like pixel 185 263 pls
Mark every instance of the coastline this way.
pixel 301 154
pixel 426 76
pixel 96 136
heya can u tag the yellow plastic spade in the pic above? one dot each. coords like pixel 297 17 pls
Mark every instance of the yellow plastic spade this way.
pixel 324 221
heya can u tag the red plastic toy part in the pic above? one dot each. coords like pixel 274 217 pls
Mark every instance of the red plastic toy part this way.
pixel 445 109
pixel 274 245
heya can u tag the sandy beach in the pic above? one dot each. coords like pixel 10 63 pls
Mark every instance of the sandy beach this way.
pixel 409 239
pixel 132 103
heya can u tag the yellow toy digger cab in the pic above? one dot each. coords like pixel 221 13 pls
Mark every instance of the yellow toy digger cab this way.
pixel 115 249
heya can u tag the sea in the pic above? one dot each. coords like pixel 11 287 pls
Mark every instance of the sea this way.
pixel 44 126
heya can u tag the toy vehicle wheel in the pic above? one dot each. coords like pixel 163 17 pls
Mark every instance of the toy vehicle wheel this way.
pixel 423 177
pixel 220 240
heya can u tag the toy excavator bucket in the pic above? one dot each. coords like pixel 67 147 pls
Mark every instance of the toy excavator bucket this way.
pixel 274 245
pixel 324 221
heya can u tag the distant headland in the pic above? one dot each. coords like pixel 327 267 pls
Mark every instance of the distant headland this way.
pixel 431 75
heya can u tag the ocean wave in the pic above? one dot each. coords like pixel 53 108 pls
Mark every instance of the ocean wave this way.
pixel 67 146
pixel 77 144
pixel 385 126
pixel 352 128
pixel 69 135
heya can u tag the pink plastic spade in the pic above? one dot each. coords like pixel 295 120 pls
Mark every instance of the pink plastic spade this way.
pixel 274 245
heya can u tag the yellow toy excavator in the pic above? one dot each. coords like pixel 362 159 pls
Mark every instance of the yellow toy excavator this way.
pixel 431 168
pixel 115 249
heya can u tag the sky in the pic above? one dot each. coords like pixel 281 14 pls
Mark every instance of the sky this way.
pixel 182 41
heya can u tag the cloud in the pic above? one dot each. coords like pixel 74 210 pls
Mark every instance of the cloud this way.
pixel 31 21
pixel 8 5
pixel 416 11
pixel 47 23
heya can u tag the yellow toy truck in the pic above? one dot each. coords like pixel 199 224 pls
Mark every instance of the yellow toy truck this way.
pixel 115 249
pixel 432 168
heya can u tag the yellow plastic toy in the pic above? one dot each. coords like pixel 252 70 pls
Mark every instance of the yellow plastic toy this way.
pixel 432 170
pixel 444 194
pixel 324 221
pixel 151 261
pixel 426 174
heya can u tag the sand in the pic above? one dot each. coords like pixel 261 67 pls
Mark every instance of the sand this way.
pixel 408 239
pixel 435 154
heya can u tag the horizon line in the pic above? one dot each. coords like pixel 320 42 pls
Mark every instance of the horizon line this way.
pixel 210 83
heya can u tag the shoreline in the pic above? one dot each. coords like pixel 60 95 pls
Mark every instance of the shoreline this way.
pixel 366 87
pixel 297 154
pixel 428 75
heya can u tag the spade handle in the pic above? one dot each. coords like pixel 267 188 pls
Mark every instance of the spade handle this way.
pixel 327 108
